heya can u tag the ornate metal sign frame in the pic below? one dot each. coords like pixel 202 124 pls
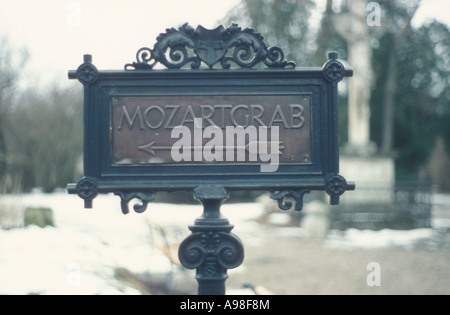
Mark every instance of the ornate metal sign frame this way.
pixel 221 47
pixel 224 62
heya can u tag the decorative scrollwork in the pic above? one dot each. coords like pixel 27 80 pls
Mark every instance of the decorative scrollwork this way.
pixel 231 254
pixel 143 57
pixel 212 250
pixel 284 203
pixel 335 185
pixel 275 58
pixel 144 197
pixel 176 48
pixel 333 70
pixel 191 253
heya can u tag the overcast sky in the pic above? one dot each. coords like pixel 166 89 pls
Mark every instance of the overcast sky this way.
pixel 58 32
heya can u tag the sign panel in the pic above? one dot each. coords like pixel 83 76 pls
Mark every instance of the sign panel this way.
pixel 219 129
pixel 149 130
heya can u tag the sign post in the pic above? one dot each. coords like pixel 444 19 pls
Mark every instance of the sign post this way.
pixel 241 118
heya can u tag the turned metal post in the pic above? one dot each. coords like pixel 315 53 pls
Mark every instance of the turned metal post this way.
pixel 211 249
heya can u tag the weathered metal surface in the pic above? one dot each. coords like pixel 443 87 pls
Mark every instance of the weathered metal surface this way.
pixel 221 46
pixel 142 127
pixel 211 249
pixel 211 131
pixel 124 145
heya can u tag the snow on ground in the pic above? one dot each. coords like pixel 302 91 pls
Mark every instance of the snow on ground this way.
pixel 79 255
pixel 354 238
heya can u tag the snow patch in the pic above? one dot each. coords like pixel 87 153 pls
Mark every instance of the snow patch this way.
pixel 80 254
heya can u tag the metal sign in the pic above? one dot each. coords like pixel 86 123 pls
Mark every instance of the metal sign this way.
pixel 144 129
pixel 264 125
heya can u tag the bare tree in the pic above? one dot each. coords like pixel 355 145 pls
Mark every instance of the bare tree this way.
pixel 12 63
pixel 397 24
pixel 45 137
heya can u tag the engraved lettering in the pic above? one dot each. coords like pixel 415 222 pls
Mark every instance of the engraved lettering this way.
pixel 210 114
pixel 257 116
pixel 282 119
pixel 159 120
pixel 233 115
pixel 154 117
pixel 189 111
pixel 130 121
pixel 297 119
pixel 222 107
pixel 172 114
pixel 149 129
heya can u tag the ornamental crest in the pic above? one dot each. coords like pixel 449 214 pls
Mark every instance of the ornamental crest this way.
pixel 244 48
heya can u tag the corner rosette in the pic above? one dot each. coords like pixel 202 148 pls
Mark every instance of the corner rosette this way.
pixel 87 73
pixel 335 185
pixel 87 189
pixel 333 70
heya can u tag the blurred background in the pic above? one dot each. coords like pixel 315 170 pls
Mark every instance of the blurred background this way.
pixel 399 49
pixel 394 112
